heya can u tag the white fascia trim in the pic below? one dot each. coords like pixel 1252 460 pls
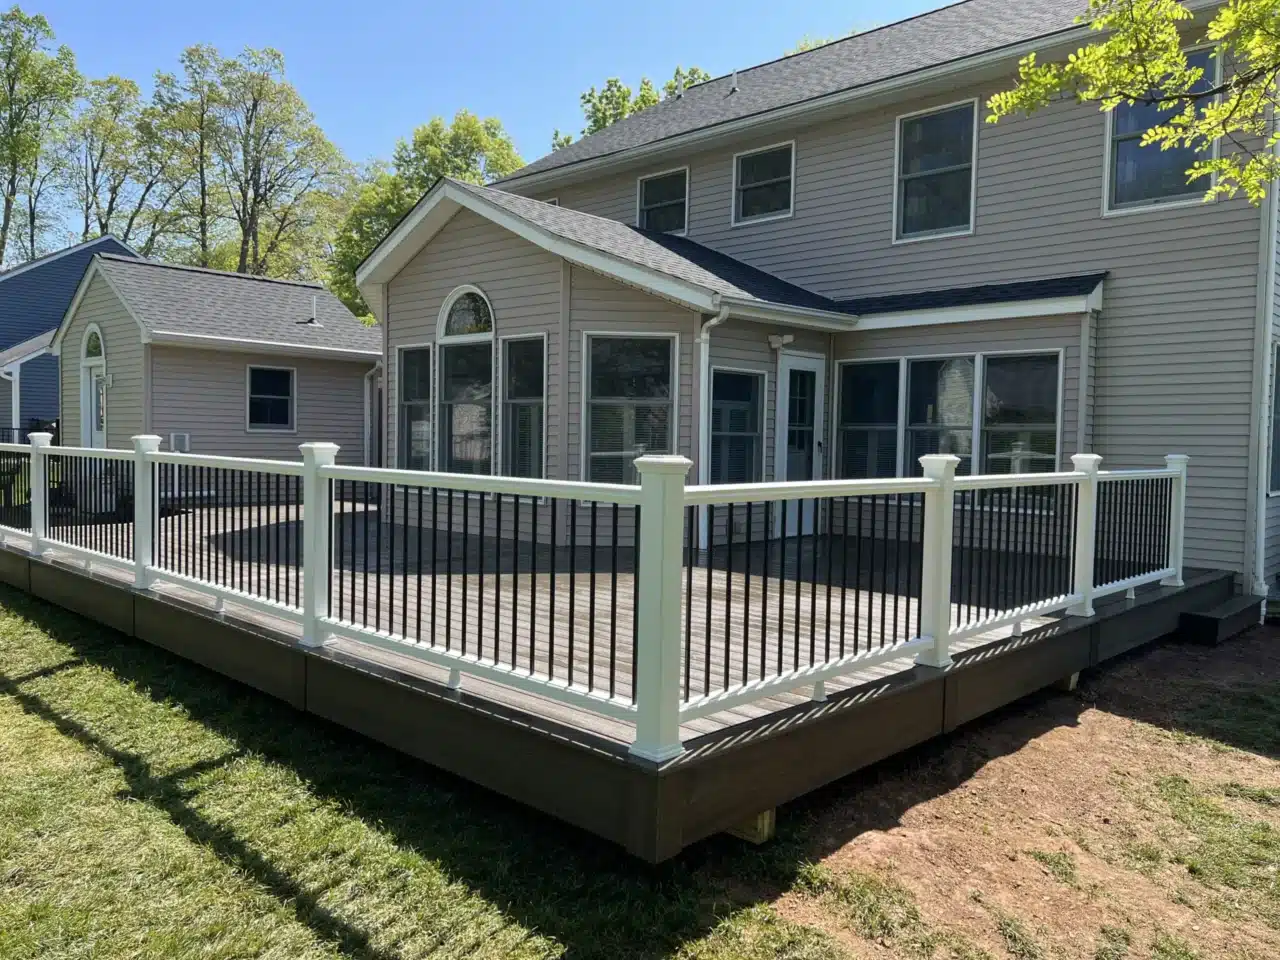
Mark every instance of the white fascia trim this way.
pixel 379 267
pixel 806 317
pixel 16 271
pixel 200 341
pixel 94 268
pixel 1021 309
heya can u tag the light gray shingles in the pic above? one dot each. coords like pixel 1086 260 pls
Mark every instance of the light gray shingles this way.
pixel 211 303
pixel 951 33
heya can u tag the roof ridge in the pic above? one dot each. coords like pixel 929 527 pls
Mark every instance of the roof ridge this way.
pixel 309 284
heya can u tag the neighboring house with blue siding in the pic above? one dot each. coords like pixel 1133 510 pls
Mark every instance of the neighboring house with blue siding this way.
pixel 828 265
pixel 33 298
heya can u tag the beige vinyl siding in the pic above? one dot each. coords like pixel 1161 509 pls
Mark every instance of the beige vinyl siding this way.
pixel 601 305
pixel 1174 341
pixel 1046 334
pixel 203 393
pixel 122 344
pixel 522 284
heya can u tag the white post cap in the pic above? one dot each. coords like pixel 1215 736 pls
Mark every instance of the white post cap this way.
pixel 146 443
pixel 1086 462
pixel 939 466
pixel 319 453
pixel 663 463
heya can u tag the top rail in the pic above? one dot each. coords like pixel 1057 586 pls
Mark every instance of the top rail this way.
pixel 1151 474
pixel 803 490
pixel 15 448
pixel 286 467
pixel 97 453
pixel 999 480
pixel 477 483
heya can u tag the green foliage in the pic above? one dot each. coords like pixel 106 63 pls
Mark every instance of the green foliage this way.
pixel 615 101
pixel 1139 58
pixel 470 148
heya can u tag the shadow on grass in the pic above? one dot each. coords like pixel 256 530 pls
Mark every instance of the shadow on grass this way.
pixel 584 893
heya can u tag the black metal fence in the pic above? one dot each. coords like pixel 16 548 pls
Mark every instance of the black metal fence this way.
pixel 1012 547
pixel 15 490
pixel 1132 536
pixel 238 529
pixel 786 585
pixel 90 503
pixel 544 586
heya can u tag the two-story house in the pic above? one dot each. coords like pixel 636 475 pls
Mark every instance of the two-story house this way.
pixel 829 265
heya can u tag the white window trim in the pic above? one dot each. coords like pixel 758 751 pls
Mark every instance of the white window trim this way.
pixel 585 375
pixel 733 193
pixel 293 399
pixel 399 392
pixel 968 231
pixel 501 393
pixel 444 341
pixel 980 358
pixel 764 412
pixel 1192 199
pixel 443 318
pixel 640 181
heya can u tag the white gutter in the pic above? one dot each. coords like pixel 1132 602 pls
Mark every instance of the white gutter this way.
pixel 241 345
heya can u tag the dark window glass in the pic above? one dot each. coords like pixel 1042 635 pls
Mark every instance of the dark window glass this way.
pixel 630 367
pixel 868 420
pixel 662 202
pixel 415 375
pixel 468 314
pixel 940 410
pixel 629 404
pixel 415 409
pixel 763 183
pixel 736 437
pixel 466 408
pixel 1148 175
pixel 1020 415
pixel 270 399
pixel 935 172
pixel 523 400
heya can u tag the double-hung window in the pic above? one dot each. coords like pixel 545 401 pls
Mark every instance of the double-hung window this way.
pixel 663 202
pixel 271 398
pixel 1020 414
pixel 737 415
pixel 935 173
pixel 1147 176
pixel 630 394
pixel 523 401
pixel 763 183
pixel 466 384
pixel 415 409
pixel 940 410
pixel 868 433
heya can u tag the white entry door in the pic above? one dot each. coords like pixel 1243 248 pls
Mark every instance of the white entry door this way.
pixel 800 427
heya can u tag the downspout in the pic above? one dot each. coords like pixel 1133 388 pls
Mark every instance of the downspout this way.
pixel 704 413
pixel 1263 373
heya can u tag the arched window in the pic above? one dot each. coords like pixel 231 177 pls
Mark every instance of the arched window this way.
pixel 465 336
pixel 92 344
pixel 93 388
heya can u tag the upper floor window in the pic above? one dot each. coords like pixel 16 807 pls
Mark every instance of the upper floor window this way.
pixel 1141 176
pixel 663 202
pixel 934 192
pixel 764 183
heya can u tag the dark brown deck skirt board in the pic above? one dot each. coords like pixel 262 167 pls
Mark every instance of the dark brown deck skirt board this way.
pixel 652 811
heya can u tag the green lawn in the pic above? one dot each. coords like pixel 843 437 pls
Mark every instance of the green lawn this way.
pixel 150 809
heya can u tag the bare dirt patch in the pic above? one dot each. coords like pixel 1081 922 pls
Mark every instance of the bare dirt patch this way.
pixel 1137 817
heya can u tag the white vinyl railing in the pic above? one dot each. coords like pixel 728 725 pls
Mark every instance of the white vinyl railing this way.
pixel 654 604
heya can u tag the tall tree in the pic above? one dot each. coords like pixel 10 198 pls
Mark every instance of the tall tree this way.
pixel 45 180
pixel 35 82
pixel 1139 58
pixel 469 148
pixel 273 157
pixel 615 101
pixel 189 105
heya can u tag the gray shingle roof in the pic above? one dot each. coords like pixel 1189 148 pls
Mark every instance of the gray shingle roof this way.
pixel 676 257
pixel 952 33
pixel 1072 286
pixel 27 347
pixel 212 303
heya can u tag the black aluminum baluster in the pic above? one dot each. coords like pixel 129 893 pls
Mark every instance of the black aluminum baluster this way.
pixel 554 617
pixel 448 566
pixel 613 596
pixel 764 587
pixel 573 583
pixel 377 582
pixel 364 556
pixel 844 568
pixel 417 607
pixel 435 534
pixel 728 590
pixel 515 581
pixel 706 638
pixel 690 513
pixel 533 589
pixel 591 604
pixel 746 592
pixel 857 583
pixel 466 559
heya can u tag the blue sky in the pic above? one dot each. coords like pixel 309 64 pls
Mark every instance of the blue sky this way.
pixel 371 71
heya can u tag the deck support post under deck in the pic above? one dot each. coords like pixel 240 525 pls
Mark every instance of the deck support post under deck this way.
pixel 935 585
pixel 657 653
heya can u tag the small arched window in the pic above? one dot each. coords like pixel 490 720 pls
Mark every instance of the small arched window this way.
pixel 93 345
pixel 468 315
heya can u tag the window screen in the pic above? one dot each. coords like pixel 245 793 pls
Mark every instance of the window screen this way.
pixel 270 399
pixel 662 202
pixel 869 420
pixel 415 409
pixel 1020 414
pixel 629 404
pixel 466 408
pixel 736 426
pixel 522 408
pixel 763 184
pixel 940 410
pixel 935 172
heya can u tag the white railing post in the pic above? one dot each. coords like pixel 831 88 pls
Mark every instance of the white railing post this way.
pixel 657 653
pixel 40 443
pixel 935 584
pixel 317 508
pixel 1177 462
pixel 1086 532
pixel 144 508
